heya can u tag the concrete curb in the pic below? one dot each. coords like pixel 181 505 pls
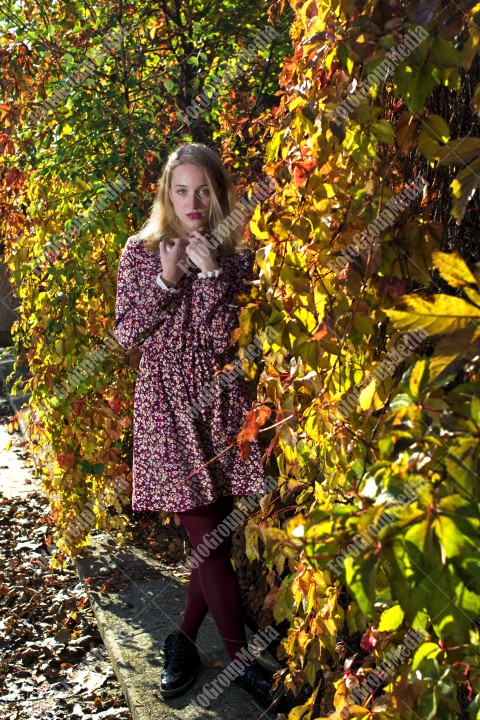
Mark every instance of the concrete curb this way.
pixel 134 617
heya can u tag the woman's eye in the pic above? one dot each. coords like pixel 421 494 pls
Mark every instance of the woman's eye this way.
pixel 181 191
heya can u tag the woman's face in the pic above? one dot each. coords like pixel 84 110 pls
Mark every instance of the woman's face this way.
pixel 190 196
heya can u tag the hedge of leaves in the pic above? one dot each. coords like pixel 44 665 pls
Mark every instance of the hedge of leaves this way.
pixel 368 257
pixel 93 103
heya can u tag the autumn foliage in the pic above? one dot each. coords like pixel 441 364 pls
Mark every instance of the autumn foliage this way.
pixel 368 272
pixel 376 297
pixel 92 108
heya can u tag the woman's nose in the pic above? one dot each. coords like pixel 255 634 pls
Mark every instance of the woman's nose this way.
pixel 196 201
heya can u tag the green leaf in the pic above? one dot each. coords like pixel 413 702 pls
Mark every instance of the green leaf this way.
pixel 476 99
pixel 475 410
pixel 434 130
pixel 463 188
pixel 428 706
pixel 448 351
pixel 283 608
pixel 383 130
pixel 311 673
pixel 407 575
pixel 437 128
pixel 360 576
pixel 427 145
pixel 443 54
pixel 414 77
pixel 474 708
pixel 460 462
pixel 251 543
pixel 449 535
pixel 451 605
pixel 306 318
pixel 459 151
pixel 402 400
pixel 170 85
pixel 391 619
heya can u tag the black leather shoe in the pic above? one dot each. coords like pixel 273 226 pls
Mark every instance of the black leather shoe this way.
pixel 180 667
pixel 257 680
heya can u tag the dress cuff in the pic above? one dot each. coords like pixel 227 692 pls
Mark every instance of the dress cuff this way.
pixel 210 273
pixel 165 287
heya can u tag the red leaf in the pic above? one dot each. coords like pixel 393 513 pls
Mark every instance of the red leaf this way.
pixel 369 640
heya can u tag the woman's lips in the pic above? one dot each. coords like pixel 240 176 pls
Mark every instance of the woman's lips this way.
pixel 194 216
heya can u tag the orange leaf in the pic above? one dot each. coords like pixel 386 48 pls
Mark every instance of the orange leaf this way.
pixel 321 332
pixel 235 335
pixel 226 367
pixel 263 413
pixel 245 449
pixel 250 427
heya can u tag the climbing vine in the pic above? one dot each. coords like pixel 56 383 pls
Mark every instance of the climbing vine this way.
pixel 369 275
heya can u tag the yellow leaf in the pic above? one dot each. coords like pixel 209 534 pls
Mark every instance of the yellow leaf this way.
pixel 437 314
pixel 450 348
pixel 418 374
pixel 304 712
pixel 453 268
pixel 257 224
pixel 366 396
pixel 306 318
pixel 427 650
pixel 8 445
pixel 391 619
pixel 473 296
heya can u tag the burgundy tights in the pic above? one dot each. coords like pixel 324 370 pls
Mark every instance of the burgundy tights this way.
pixel 213 584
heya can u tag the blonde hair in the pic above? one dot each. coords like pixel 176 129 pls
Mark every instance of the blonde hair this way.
pixel 163 221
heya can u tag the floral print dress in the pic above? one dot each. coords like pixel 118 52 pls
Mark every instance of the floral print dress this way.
pixel 184 338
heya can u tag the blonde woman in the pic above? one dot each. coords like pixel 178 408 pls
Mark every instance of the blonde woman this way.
pixel 178 280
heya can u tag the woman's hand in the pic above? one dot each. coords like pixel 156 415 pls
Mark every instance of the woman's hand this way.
pixel 204 257
pixel 171 272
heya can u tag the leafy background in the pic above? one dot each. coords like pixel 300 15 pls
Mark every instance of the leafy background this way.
pixel 337 474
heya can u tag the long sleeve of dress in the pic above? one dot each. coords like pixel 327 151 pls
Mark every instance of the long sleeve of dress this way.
pixel 214 300
pixel 138 312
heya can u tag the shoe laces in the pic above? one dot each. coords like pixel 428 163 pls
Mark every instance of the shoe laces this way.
pixel 178 644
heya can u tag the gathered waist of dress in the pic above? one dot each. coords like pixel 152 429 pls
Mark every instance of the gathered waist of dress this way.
pixel 172 340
